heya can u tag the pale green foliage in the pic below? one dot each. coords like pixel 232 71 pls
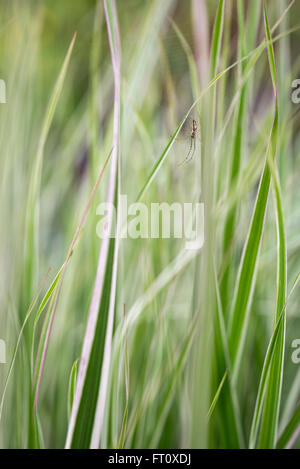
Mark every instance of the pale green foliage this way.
pixel 196 345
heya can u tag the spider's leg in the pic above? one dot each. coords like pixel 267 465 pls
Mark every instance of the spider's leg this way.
pixel 193 150
pixel 187 156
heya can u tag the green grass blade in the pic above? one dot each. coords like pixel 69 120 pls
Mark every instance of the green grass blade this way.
pixel 72 386
pixel 263 383
pixel 268 431
pixel 217 395
pixel 217 39
pixel 32 214
pixel 237 150
pixel 190 58
pixel 228 405
pixel 266 369
pixel 203 348
pixel 248 266
pixel 29 312
pixel 290 432
pixel 41 308
pixel 87 416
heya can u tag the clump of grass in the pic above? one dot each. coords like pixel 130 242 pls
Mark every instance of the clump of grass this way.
pixel 202 356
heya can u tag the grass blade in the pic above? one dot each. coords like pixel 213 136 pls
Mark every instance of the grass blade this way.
pixel 268 431
pixel 247 271
pixel 265 371
pixel 86 422
pixel 216 397
pixel 72 386
pixel 32 213
pixel 291 431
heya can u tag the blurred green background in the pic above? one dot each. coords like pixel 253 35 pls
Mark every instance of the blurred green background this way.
pixel 157 89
